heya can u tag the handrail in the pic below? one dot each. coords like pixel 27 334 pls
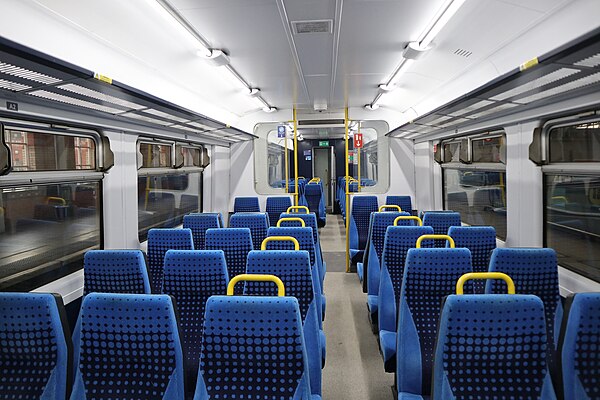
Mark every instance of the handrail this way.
pixel 298 208
pixel 263 245
pixel 291 219
pixel 317 179
pixel 485 275
pixel 446 237
pixel 394 206
pixel 256 278
pixel 405 217
pixel 59 199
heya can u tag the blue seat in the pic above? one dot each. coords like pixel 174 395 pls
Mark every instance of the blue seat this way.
pixel 441 222
pixel 199 223
pixel 293 268
pixel 315 199
pixel 35 356
pixel 481 240
pixel 129 347
pixel 487 367
pixel 362 207
pixel 245 357
pixel 304 237
pixel 277 205
pixel 374 253
pixel 534 271
pixel 246 204
pixel 258 223
pixel 191 277
pixel 429 276
pixel 404 202
pixel 115 271
pixel 581 348
pixel 236 243
pixel 159 241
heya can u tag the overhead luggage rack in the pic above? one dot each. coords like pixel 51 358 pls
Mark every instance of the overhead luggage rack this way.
pixel 568 72
pixel 28 76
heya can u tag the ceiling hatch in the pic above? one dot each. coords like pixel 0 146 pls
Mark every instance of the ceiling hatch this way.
pixel 315 26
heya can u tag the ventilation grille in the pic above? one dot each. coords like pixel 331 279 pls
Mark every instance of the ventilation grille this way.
pixel 463 53
pixel 313 122
pixel 316 26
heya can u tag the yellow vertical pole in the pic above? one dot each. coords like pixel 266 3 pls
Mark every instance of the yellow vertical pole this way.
pixel 347 195
pixel 358 158
pixel 287 166
pixel 296 192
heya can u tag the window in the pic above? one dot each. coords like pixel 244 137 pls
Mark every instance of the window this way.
pixel 368 158
pixel 47 224
pixel 575 143
pixel 165 193
pixel 477 190
pixel 276 156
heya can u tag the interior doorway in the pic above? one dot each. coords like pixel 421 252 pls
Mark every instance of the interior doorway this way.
pixel 323 167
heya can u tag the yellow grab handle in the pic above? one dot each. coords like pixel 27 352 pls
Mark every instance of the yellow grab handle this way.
pixel 301 177
pixel 485 275
pixel 315 180
pixel 446 237
pixel 263 246
pixel 291 219
pixel 298 208
pixel 403 217
pixel 256 278
pixel 59 199
pixel 394 206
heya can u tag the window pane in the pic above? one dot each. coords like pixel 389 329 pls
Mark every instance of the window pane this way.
pixel 451 152
pixel 35 151
pixel 578 143
pixel 47 227
pixel 276 158
pixel 163 200
pixel 155 155
pixel 189 155
pixel 479 196
pixel 492 150
pixel 572 221
pixel 368 158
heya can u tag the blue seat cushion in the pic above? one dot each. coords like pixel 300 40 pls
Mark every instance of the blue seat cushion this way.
pixel 360 271
pixel 372 303
pixel 387 343
pixel 410 396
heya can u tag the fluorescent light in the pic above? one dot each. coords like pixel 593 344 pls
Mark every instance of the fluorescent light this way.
pixel 372 106
pixel 387 88
pixel 444 14
pixel 232 76
pixel 404 65
pixel 253 92
pixel 269 109
pixel 258 102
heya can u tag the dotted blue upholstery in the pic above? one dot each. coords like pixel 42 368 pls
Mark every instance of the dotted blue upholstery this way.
pixel 485 351
pixel 429 276
pixel 34 354
pixel 253 349
pixel 258 223
pixel 315 198
pixel 236 243
pixel 404 202
pixel 129 348
pixel 276 206
pixel 293 268
pixel 362 207
pixel 199 223
pixel 534 271
pixel 191 277
pixel 581 348
pixel 159 241
pixel 115 271
pixel 481 240
pixel 246 204
pixel 441 222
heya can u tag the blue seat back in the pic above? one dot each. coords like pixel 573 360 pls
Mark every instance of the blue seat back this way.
pixel 199 223
pixel 581 348
pixel 236 243
pixel 253 348
pixel 303 235
pixel 129 344
pixel 258 223
pixel 485 350
pixel 115 271
pixel 534 271
pixel 35 354
pixel 313 193
pixel 380 222
pixel 246 204
pixel 362 207
pixel 276 206
pixel 404 202
pixel 429 276
pixel 441 222
pixel 191 277
pixel 310 220
pixel 159 242
pixel 481 240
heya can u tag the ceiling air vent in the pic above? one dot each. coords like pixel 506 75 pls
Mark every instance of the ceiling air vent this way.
pixel 463 53
pixel 316 26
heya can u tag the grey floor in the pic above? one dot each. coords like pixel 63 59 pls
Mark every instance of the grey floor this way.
pixel 354 368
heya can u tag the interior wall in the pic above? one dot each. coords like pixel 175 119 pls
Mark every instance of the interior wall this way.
pixel 402 170
pixel 217 181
